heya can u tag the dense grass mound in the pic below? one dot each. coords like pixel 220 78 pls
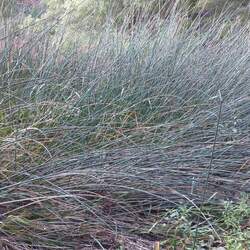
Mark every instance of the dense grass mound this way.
pixel 98 140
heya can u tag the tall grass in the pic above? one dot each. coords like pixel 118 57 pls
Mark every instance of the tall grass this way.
pixel 97 139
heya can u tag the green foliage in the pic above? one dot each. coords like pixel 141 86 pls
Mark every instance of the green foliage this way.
pixel 234 218
pixel 178 225
pixel 234 215
pixel 5 131
pixel 98 11
pixel 238 240
pixel 83 16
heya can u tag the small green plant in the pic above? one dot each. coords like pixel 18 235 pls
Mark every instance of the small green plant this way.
pixel 234 215
pixel 238 240
pixel 234 219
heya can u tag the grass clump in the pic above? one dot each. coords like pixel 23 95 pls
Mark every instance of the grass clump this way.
pixel 102 139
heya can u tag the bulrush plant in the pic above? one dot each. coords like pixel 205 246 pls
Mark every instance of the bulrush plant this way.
pixel 98 143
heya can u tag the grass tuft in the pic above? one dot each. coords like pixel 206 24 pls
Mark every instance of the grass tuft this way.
pixel 107 144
